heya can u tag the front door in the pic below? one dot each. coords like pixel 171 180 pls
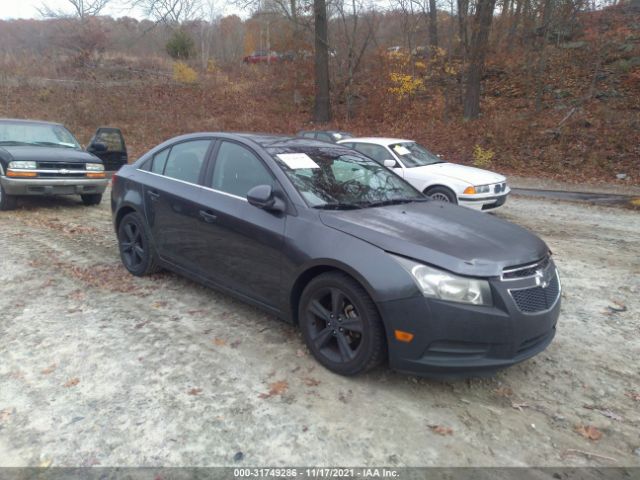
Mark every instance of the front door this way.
pixel 244 243
pixel 114 153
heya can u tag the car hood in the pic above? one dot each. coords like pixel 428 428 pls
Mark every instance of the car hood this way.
pixel 447 236
pixel 472 175
pixel 47 154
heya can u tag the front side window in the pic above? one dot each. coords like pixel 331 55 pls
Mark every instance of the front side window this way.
pixel 185 160
pixel 377 152
pixel 413 154
pixel 44 135
pixel 329 177
pixel 237 170
pixel 112 139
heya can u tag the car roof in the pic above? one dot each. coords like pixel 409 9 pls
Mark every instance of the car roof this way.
pixel 274 141
pixel 25 121
pixel 384 141
pixel 342 132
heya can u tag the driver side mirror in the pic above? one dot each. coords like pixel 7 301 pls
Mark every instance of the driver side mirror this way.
pixel 97 147
pixel 261 196
pixel 390 163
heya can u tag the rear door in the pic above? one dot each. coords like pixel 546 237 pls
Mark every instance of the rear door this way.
pixel 172 195
pixel 115 155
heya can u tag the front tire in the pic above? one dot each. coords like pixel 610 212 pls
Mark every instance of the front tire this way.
pixel 341 324
pixel 442 194
pixel 136 251
pixel 90 199
pixel 7 202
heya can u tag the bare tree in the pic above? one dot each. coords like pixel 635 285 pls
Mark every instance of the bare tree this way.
pixel 170 11
pixel 357 38
pixel 78 8
pixel 478 51
pixel 322 104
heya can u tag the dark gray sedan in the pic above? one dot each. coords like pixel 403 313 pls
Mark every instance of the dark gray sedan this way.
pixel 330 240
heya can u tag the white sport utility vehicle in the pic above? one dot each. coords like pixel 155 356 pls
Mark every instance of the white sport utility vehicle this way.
pixel 447 182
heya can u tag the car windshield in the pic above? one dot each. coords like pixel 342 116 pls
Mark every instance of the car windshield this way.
pixel 413 154
pixel 336 178
pixel 39 134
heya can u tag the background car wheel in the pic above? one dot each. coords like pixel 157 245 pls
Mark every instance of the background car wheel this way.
pixel 91 199
pixel 341 324
pixel 136 251
pixel 7 202
pixel 441 194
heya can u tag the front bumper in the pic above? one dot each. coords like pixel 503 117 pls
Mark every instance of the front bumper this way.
pixel 454 339
pixel 53 186
pixel 483 203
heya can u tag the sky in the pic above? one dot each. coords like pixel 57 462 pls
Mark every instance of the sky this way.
pixel 29 9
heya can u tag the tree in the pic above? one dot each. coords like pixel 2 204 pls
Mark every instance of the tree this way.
pixel 170 11
pixel 322 104
pixel 79 8
pixel 478 51
pixel 180 46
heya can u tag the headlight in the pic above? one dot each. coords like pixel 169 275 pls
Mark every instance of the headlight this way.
pixel 22 165
pixel 437 283
pixel 95 167
pixel 483 189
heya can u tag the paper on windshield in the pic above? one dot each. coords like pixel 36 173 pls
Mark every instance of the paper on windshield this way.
pixel 297 161
pixel 400 150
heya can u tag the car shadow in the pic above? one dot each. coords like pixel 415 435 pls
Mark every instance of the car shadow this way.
pixel 45 202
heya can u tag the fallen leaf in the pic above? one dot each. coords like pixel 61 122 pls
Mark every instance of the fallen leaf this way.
pixel 195 391
pixel 219 342
pixel 49 369
pixel 5 414
pixel 72 382
pixel 503 391
pixel 311 382
pixel 635 396
pixel 441 430
pixel 276 388
pixel 300 353
pixel 589 431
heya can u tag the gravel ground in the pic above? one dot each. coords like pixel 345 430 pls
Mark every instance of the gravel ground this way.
pixel 101 368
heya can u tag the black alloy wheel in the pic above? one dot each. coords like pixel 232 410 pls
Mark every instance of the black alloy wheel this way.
pixel 341 324
pixel 136 250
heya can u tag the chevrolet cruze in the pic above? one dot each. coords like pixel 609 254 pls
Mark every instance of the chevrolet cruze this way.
pixel 322 236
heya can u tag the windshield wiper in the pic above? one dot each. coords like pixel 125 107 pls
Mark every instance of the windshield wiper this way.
pixel 13 142
pixel 394 201
pixel 53 144
pixel 338 206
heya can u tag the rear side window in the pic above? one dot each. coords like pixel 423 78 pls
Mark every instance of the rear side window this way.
pixel 238 170
pixel 185 160
pixel 159 161
pixel 309 135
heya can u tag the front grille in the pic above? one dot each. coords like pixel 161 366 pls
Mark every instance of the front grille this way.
pixel 499 187
pixel 524 271
pixel 60 165
pixel 74 170
pixel 537 299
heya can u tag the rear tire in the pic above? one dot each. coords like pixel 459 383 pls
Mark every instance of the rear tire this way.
pixel 90 199
pixel 341 324
pixel 7 202
pixel 442 194
pixel 136 250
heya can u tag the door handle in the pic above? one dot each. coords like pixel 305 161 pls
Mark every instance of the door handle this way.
pixel 153 195
pixel 208 217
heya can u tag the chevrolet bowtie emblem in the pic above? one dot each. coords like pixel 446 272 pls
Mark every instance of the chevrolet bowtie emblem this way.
pixel 540 280
pixel 64 171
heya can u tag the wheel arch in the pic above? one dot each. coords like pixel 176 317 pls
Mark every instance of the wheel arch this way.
pixel 122 212
pixel 312 271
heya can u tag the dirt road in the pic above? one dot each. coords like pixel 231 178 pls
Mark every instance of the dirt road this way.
pixel 101 368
